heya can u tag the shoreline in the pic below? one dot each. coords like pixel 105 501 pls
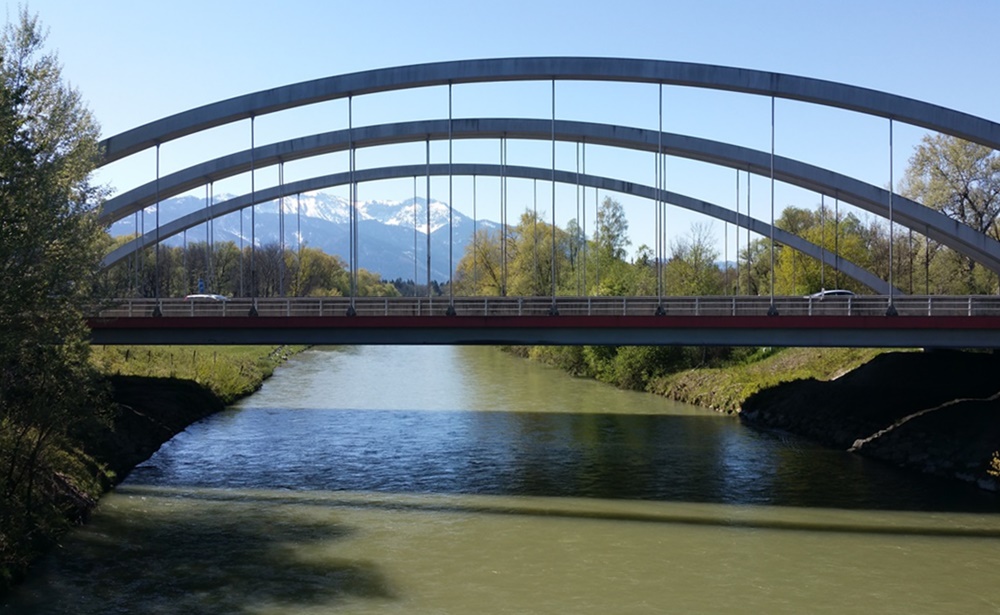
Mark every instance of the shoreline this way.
pixel 150 410
pixel 934 412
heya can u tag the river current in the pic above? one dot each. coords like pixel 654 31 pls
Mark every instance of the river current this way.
pixel 464 480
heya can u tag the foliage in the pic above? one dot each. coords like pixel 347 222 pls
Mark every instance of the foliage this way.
pixel 49 253
pixel 223 269
pixel 692 268
pixel 962 180
pixel 611 236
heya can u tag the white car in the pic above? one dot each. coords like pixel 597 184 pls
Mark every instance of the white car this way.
pixel 823 294
pixel 205 297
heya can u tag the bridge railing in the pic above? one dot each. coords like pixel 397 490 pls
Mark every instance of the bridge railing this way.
pixel 856 305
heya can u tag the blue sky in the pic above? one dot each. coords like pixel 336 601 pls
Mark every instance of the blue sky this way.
pixel 137 61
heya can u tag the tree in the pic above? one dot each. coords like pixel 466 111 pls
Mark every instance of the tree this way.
pixel 50 253
pixel 611 235
pixel 961 180
pixel 692 268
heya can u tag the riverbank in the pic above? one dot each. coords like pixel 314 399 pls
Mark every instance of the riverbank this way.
pixel 159 391
pixel 155 393
pixel 934 412
pixel 725 389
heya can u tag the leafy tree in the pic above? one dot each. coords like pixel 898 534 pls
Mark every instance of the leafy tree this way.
pixel 480 270
pixel 50 249
pixel 959 178
pixel 692 268
pixel 962 180
pixel 611 235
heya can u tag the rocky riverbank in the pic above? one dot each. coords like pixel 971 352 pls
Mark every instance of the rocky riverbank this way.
pixel 936 412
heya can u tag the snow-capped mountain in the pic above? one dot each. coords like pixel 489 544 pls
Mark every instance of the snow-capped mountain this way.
pixel 335 209
pixel 387 233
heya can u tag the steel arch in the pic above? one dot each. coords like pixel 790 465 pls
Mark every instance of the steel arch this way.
pixel 908 213
pixel 805 89
pixel 566 177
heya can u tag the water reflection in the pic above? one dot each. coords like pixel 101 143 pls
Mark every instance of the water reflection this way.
pixel 686 458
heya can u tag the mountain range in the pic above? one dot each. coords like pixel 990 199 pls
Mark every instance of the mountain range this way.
pixel 386 230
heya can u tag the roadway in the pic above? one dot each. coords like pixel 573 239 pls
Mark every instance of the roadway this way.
pixel 855 321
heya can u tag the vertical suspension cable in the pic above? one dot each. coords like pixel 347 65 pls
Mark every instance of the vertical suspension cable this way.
pixel 242 249
pixel 664 240
pixel 211 250
pixel 475 237
pixel 298 241
pixel 736 289
pixel 822 242
pixel 208 254
pixel 891 310
pixel 156 270
pixel 415 275
pixel 585 289
pixel 836 240
pixel 451 233
pixel 351 205
pixel 553 308
pixel 576 238
pixel 597 261
pixel 281 228
pixel 503 215
pixel 137 256
pixel 749 281
pixel 927 263
pixel 772 311
pixel 909 255
pixel 428 229
pixel 253 220
pixel 658 205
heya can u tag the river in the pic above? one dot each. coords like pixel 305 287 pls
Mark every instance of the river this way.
pixel 464 480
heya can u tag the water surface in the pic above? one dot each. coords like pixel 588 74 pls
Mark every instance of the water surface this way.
pixel 463 480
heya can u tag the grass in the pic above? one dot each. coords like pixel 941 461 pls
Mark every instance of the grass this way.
pixel 230 372
pixel 726 388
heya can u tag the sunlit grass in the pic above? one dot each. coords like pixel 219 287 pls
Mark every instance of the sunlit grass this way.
pixel 726 388
pixel 228 371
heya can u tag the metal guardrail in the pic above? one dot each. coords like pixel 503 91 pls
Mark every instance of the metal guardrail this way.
pixel 858 305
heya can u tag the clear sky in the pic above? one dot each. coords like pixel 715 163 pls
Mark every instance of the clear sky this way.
pixel 136 61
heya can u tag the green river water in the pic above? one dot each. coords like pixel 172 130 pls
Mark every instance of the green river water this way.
pixel 463 480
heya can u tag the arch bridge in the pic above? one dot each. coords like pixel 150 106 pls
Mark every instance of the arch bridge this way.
pixel 128 319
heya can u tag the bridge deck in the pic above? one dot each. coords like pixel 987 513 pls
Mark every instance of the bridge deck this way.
pixel 737 321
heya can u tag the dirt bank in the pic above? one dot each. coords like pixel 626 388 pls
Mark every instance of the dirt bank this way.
pixel 151 411
pixel 936 412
